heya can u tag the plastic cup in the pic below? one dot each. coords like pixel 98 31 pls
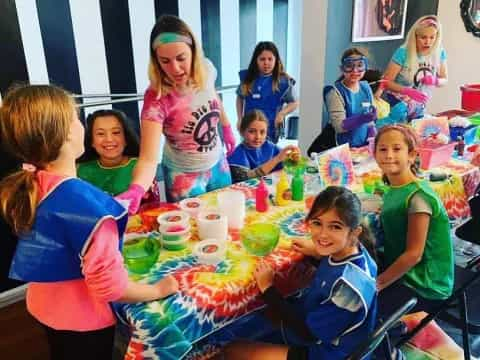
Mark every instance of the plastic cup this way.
pixel 232 205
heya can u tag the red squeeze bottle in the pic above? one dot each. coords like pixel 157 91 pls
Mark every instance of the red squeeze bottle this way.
pixel 261 197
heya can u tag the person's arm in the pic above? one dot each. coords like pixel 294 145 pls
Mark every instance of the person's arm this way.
pixel 443 74
pixel 389 83
pixel 151 131
pixel 144 171
pixel 228 137
pixel 105 274
pixel 306 247
pixel 264 276
pixel 269 165
pixel 389 76
pixel 241 173
pixel 416 240
pixel 287 109
pixel 439 80
pixel 337 114
pixel 336 110
pixel 239 105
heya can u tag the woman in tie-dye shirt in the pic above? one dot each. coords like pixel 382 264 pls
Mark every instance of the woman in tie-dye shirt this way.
pixel 182 104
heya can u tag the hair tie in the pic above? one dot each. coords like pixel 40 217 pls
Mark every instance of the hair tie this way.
pixel 29 167
pixel 170 37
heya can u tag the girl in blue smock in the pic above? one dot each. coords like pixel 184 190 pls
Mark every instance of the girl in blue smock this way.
pixel 257 156
pixel 267 87
pixel 349 101
pixel 338 310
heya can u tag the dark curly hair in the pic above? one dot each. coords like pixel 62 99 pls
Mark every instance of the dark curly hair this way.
pixel 132 147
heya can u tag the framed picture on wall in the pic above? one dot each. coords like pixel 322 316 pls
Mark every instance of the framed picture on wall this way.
pixel 376 20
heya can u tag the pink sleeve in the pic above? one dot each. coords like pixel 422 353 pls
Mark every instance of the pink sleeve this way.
pixel 105 274
pixel 152 107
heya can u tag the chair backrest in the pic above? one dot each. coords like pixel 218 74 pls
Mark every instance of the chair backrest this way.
pixel 375 338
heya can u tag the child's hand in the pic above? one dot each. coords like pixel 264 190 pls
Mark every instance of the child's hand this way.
pixel 304 246
pixel 290 152
pixel 279 119
pixel 167 286
pixel 263 275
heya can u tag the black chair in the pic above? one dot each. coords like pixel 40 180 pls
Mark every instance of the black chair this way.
pixel 380 333
pixel 455 309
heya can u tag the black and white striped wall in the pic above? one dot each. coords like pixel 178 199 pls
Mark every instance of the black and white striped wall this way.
pixel 101 46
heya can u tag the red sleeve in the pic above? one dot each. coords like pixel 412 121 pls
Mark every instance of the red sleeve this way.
pixel 152 110
pixel 105 274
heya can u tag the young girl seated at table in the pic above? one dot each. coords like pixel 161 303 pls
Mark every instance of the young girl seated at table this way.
pixel 418 249
pixel 69 232
pixel 257 156
pixel 111 151
pixel 338 311
pixel 349 101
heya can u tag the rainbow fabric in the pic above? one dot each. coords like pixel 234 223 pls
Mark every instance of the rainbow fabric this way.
pixel 210 297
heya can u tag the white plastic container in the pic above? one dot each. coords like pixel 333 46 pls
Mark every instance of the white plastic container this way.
pixel 231 203
pixel 173 218
pixel 210 251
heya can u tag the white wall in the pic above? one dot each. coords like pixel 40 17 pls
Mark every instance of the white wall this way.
pixel 463 57
pixel 313 45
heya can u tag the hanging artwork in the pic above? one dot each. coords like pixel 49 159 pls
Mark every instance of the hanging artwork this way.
pixel 375 20
pixel 335 167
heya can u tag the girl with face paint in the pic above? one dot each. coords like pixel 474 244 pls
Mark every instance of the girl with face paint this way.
pixel 349 101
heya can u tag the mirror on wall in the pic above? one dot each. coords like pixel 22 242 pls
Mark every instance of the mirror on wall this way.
pixel 470 11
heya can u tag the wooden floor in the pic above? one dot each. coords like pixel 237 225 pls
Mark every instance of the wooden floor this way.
pixel 21 338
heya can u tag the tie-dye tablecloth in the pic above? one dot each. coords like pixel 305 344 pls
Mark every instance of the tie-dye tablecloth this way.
pixel 454 192
pixel 210 297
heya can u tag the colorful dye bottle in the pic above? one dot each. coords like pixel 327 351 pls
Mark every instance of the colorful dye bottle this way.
pixel 282 194
pixel 261 197
pixel 297 186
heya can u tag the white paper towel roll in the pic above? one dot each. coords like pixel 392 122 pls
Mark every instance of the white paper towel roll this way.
pixel 210 251
pixel 212 225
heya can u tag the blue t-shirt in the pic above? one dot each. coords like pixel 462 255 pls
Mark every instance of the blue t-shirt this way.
pixel 426 66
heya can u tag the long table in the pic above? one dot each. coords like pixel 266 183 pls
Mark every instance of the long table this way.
pixel 212 297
